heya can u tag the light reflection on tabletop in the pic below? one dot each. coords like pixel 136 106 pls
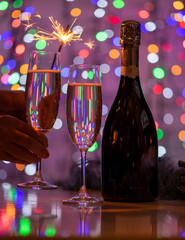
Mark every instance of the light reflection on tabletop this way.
pixel 31 213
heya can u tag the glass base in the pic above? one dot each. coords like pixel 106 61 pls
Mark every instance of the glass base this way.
pixel 37 183
pixel 83 199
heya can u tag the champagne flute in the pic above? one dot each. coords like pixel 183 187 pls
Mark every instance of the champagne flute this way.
pixel 84 110
pixel 42 98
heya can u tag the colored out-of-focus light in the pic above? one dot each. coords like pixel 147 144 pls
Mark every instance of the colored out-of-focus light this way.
pixel 93 147
pixel 182 24
pixel 104 110
pixel 102 3
pixel 50 231
pixel 83 53
pixel 29 9
pixel 10 210
pixel 31 31
pixel 24 69
pixel 10 64
pixel 99 13
pixel 78 60
pixel 143 14
pixel 158 73
pixel 114 53
pixel 180 32
pixel 161 151
pixel 25 16
pixel 178 5
pixel 150 26
pixel 104 68
pixel 20 49
pixel 4 70
pixel 11 194
pixel 179 101
pixel 30 169
pixel 14 78
pixel 16 13
pixel 118 3
pixel 181 56
pixel 15 87
pixel 16 23
pixel 94 1
pixel 182 119
pixel 181 135
pixel 117 71
pixel 101 36
pixel 168 118
pixel 24 226
pixel 153 48
pixel 19 198
pixel 159 134
pixel 167 47
pixel 116 41
pixel 149 6
pixel 58 124
pixel 75 12
pixel 183 92
pixel 178 17
pixel 176 70
pixel 65 72
pixel 8 43
pixel 110 33
pixel 5 78
pixel 23 79
pixel 28 38
pixel 6 35
pixel 167 93
pixel 3 174
pixel 157 89
pixel 41 44
pixel 171 21
pixel 17 3
pixel 1 59
pixel 3 5
pixel 114 20
pixel 64 88
pixel 153 57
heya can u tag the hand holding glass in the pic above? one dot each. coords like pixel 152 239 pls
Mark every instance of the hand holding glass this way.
pixel 42 101
pixel 84 110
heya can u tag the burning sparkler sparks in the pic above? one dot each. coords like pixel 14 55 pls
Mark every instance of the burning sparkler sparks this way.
pixel 90 44
pixel 28 25
pixel 59 33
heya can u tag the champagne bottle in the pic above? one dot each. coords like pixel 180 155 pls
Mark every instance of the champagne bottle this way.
pixel 129 143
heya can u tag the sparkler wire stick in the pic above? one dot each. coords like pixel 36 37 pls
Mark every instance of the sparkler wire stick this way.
pixel 60 47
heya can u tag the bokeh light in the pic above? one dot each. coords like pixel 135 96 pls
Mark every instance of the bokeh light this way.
pixel 158 73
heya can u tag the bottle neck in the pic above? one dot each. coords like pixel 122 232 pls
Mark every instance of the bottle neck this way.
pixel 130 61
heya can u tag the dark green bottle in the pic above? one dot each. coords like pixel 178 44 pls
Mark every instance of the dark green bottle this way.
pixel 129 143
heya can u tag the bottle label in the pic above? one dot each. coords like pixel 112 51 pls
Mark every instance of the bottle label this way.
pixel 130 71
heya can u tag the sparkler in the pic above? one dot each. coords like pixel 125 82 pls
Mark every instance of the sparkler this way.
pixel 59 33
pixel 90 44
pixel 28 25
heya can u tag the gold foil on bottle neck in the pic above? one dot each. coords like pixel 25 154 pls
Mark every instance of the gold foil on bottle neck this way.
pixel 130 33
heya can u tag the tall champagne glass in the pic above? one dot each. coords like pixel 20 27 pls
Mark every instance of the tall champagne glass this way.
pixel 84 110
pixel 42 98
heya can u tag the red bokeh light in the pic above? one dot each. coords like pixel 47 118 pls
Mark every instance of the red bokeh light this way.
pixel 181 56
pixel 20 49
pixel 16 23
pixel 182 24
pixel 143 14
pixel 179 101
pixel 83 53
pixel 113 19
pixel 166 47
pixel 157 89
pixel 182 119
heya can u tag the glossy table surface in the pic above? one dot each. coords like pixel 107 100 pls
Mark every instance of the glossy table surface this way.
pixel 41 214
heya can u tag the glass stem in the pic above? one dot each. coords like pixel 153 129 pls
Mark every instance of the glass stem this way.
pixel 83 175
pixel 38 175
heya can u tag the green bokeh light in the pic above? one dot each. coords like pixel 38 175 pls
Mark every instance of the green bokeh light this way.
pixel 90 75
pixel 14 78
pixel 41 44
pixel 17 3
pixel 3 5
pixel 24 228
pixel 183 144
pixel 11 194
pixel 32 31
pixel 101 36
pixel 159 134
pixel 50 231
pixel 4 70
pixel 93 147
pixel 158 73
pixel 118 4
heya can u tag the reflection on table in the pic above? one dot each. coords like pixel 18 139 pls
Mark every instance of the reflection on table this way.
pixel 42 214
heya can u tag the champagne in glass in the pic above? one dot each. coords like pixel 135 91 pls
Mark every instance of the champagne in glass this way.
pixel 84 110
pixel 42 101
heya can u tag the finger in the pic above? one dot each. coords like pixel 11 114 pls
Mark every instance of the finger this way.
pixel 22 142
pixel 29 130
pixel 5 156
